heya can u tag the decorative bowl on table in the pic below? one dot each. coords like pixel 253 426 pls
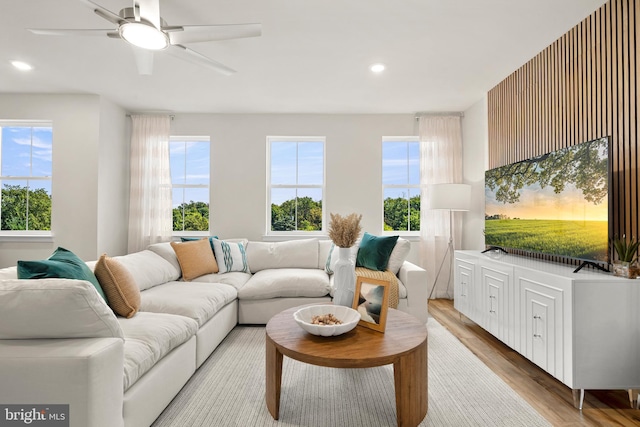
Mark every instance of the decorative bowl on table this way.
pixel 347 316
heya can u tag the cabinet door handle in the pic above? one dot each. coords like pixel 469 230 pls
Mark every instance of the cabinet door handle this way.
pixel 535 326
pixel 491 299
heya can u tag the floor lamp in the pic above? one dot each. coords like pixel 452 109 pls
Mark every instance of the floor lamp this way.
pixel 451 197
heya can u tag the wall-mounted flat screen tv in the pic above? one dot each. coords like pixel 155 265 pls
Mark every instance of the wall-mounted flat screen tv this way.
pixel 554 204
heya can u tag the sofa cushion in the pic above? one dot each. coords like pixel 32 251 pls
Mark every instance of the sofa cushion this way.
pixel 286 282
pixel 237 279
pixel 123 294
pixel 231 256
pixel 148 268
pixel 165 250
pixel 9 273
pixel 196 300
pixel 399 255
pixel 62 264
pixel 324 248
pixel 287 254
pixel 148 338
pixel 195 258
pixel 54 308
pixel 374 251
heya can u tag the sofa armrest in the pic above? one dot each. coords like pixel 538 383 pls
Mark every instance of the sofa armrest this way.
pixel 414 279
pixel 85 373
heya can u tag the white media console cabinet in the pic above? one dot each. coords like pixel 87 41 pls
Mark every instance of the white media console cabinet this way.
pixel 583 328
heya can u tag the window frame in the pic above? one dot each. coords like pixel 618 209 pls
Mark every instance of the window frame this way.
pixel 30 235
pixel 403 233
pixel 192 138
pixel 322 187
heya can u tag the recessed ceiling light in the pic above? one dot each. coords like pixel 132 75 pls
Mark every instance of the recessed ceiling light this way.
pixel 23 66
pixel 377 68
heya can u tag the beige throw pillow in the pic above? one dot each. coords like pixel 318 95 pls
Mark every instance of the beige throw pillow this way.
pixel 119 286
pixel 196 258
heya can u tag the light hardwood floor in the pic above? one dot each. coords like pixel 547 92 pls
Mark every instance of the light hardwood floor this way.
pixel 548 396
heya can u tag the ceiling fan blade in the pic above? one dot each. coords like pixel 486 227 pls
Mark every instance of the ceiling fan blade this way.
pixel 205 33
pixel 149 11
pixel 104 13
pixel 144 60
pixel 92 33
pixel 194 57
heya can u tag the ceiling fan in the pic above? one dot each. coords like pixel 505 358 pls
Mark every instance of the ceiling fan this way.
pixel 142 27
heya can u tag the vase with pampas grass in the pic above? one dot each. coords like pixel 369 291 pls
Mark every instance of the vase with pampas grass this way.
pixel 344 232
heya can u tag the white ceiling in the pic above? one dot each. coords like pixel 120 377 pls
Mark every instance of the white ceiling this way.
pixel 313 55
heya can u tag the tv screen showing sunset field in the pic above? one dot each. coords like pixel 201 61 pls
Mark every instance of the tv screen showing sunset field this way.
pixel 554 204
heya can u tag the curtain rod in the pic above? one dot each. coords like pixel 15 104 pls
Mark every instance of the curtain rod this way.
pixel 171 116
pixel 444 113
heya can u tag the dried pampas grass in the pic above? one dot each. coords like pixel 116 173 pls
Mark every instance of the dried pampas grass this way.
pixel 344 231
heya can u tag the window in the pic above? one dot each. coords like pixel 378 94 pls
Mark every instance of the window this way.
pixel 295 184
pixel 25 174
pixel 189 162
pixel 401 184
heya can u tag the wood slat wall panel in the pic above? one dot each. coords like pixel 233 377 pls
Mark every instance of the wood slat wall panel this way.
pixel 582 87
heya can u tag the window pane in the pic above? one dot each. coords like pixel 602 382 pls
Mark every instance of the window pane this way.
pixel 414 163
pixel 196 209
pixel 177 195
pixel 310 163
pixel 41 153
pixel 14 205
pixel 309 213
pixel 396 209
pixel 283 209
pixel 197 162
pixel 190 209
pixel 16 151
pixel 39 205
pixel 283 163
pixel 414 209
pixel 394 163
pixel 177 155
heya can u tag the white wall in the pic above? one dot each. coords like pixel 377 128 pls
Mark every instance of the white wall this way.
pixel 76 138
pixel 113 180
pixel 238 163
pixel 475 142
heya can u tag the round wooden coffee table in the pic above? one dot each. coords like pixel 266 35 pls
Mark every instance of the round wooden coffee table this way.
pixel 403 344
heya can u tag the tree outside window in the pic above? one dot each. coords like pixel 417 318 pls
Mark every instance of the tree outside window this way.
pixel 25 174
pixel 296 184
pixel 401 184
pixel 189 162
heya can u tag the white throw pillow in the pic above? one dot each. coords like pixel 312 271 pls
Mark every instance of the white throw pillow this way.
pixel 399 255
pixel 231 256
pixel 54 308
pixel 288 254
pixel 148 268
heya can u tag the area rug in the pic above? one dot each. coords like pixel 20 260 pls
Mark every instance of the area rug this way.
pixel 228 390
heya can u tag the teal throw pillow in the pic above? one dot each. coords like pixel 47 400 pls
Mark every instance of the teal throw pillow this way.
pixel 62 264
pixel 374 252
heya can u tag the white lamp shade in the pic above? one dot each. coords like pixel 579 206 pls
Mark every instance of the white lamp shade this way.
pixel 455 197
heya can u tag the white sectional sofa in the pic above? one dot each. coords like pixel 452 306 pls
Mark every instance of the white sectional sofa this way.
pixel 60 343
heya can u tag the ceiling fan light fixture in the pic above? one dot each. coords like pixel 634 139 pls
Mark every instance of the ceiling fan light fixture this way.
pixel 22 66
pixel 377 68
pixel 144 35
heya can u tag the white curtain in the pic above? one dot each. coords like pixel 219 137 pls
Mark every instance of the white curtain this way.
pixel 150 219
pixel 441 162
